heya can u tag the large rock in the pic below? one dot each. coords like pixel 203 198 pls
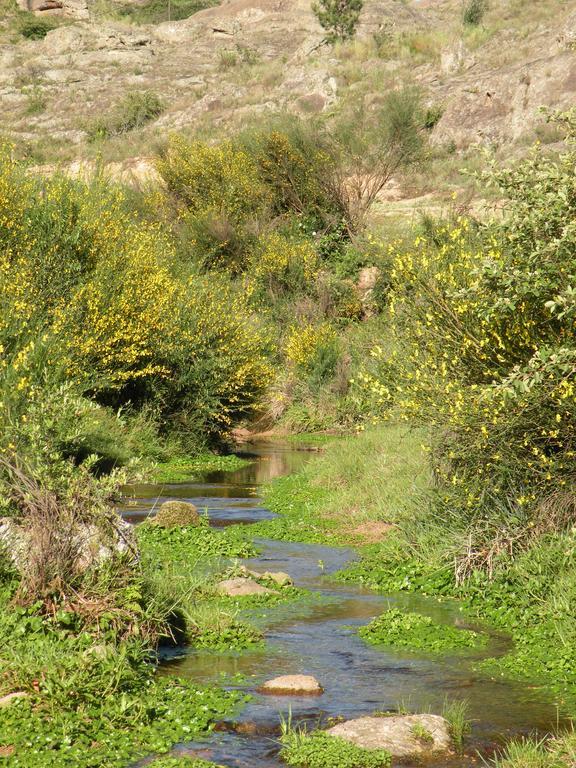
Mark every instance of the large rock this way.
pixel 278 577
pixel 293 685
pixel 177 514
pixel 242 587
pixel 11 697
pixel 92 544
pixel 402 735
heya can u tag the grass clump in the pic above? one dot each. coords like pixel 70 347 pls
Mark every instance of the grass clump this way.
pixel 133 112
pixel 319 750
pixel 411 630
pixel 455 711
pixel 473 12
pixel 558 752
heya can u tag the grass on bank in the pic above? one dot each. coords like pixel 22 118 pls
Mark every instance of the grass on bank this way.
pixel 359 488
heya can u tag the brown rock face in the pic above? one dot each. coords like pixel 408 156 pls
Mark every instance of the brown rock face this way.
pixel 402 735
pixel 293 685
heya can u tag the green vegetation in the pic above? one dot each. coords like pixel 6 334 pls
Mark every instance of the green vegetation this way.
pixel 456 713
pixel 158 11
pixel 195 542
pixel 35 28
pixel 138 328
pixel 473 11
pixel 134 111
pixel 411 630
pixel 556 753
pixel 338 17
pixel 422 733
pixel 183 468
pixel 183 762
pixel 319 750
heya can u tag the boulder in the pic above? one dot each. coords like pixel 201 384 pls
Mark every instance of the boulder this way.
pixel 279 577
pixel 10 697
pixel 400 735
pixel 177 514
pixel 242 587
pixel 293 685
pixel 92 543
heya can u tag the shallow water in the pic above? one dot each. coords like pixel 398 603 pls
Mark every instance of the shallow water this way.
pixel 318 637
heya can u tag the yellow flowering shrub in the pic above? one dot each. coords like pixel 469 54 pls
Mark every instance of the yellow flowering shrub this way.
pixel 279 262
pixel 220 177
pixel 93 296
pixel 485 353
pixel 304 342
pixel 219 197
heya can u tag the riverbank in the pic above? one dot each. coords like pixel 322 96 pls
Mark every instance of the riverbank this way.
pixel 370 491
pixel 374 489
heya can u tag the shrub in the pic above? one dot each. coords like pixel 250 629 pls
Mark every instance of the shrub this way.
pixel 279 264
pixel 482 320
pixel 307 346
pixel 372 146
pixel 297 163
pixel 473 11
pixel 339 18
pixel 219 195
pixel 34 28
pixel 134 111
pixel 91 295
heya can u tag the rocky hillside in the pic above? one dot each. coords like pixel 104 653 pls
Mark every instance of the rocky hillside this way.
pixel 246 59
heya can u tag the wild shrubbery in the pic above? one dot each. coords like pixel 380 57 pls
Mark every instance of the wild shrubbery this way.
pixel 483 338
pixel 94 301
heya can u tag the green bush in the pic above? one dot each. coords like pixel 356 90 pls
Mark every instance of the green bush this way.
pixel 339 18
pixel 133 112
pixel 34 28
pixel 473 11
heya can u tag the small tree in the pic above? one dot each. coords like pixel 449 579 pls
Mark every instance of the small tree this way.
pixel 338 17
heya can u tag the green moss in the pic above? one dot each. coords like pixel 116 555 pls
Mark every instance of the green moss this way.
pixel 319 750
pixel 411 630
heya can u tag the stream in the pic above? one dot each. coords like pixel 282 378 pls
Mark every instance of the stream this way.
pixel 318 637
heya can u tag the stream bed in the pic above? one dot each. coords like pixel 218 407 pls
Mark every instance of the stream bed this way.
pixel 317 636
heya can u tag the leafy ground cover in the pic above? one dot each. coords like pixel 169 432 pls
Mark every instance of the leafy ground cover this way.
pixel 412 630
pixel 319 750
pixel 183 468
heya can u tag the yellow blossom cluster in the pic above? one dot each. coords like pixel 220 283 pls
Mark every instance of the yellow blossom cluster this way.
pixel 92 295
pixel 304 342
